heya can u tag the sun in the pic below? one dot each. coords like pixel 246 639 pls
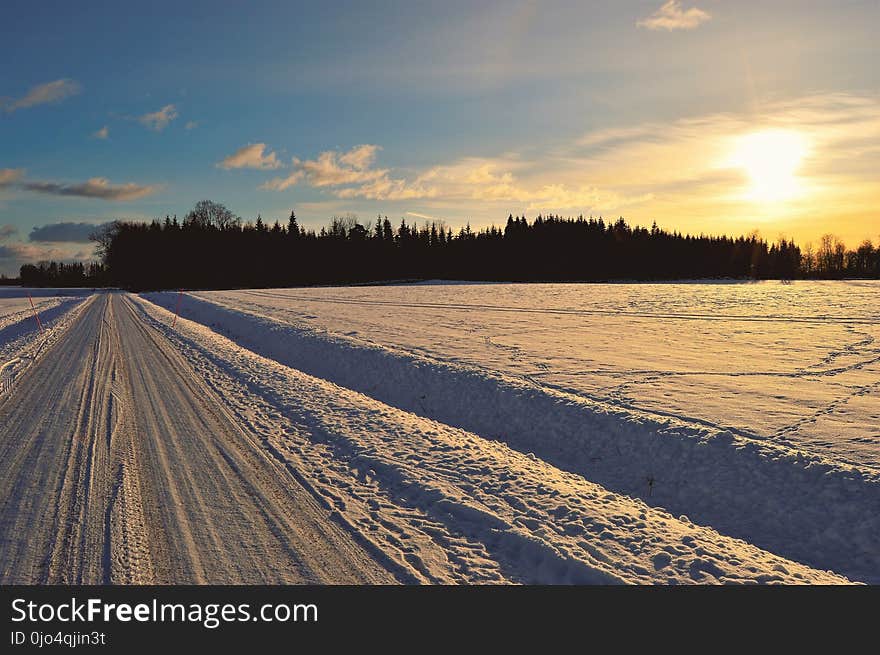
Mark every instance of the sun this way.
pixel 771 159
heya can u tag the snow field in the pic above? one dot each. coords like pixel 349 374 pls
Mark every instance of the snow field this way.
pixel 18 309
pixel 459 505
pixel 762 360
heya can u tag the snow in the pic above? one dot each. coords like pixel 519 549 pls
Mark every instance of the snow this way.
pixel 496 433
pixel 16 309
pixel 20 338
pixel 763 360
pixel 480 406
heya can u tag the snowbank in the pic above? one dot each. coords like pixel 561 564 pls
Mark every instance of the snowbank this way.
pixel 21 341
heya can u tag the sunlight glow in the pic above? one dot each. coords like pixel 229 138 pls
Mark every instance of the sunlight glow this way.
pixel 771 159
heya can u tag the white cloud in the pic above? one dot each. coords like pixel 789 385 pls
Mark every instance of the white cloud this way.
pixel 253 155
pixel 360 157
pixel 43 94
pixel 512 182
pixel 103 133
pixel 333 169
pixel 191 125
pixel 9 176
pixel 386 188
pixel 159 120
pixel 351 174
pixel 427 217
pixel 671 16
pixel 283 183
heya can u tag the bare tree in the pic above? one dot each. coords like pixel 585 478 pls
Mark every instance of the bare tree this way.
pixel 864 256
pixel 342 225
pixel 831 255
pixel 808 259
pixel 103 237
pixel 209 213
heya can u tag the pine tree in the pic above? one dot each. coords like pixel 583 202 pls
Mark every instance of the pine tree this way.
pixel 292 226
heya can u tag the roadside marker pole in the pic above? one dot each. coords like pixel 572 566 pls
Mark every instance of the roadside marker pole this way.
pixel 36 316
pixel 177 309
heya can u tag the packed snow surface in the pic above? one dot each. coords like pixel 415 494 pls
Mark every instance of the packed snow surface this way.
pixel 747 408
pixel 119 465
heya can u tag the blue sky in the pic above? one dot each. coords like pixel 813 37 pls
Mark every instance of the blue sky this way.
pixel 461 111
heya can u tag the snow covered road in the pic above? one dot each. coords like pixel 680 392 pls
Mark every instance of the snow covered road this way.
pixel 118 466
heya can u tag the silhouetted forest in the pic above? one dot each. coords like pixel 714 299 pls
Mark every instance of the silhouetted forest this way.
pixel 54 274
pixel 213 248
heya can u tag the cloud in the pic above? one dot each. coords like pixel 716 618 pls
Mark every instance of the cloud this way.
pixel 683 168
pixel 476 178
pixel 97 187
pixel 283 183
pixel 191 125
pixel 841 129
pixel 671 171
pixel 14 254
pixel 512 182
pixel 671 16
pixel 360 157
pixel 68 232
pixel 7 231
pixel 333 169
pixel 9 176
pixel 470 180
pixel 103 133
pixel 253 155
pixel 11 251
pixel 48 93
pixel 23 252
pixel 385 188
pixel 427 217
pixel 350 175
pixel 159 120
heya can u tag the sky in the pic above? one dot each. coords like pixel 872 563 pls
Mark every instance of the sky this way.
pixel 706 116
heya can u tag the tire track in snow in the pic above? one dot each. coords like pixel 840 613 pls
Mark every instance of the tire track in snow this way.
pixel 116 466
pixel 239 518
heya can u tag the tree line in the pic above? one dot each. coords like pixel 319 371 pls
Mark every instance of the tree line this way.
pixel 59 274
pixel 213 248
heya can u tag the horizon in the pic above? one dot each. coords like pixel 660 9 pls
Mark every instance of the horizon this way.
pixel 720 119
pixel 318 227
